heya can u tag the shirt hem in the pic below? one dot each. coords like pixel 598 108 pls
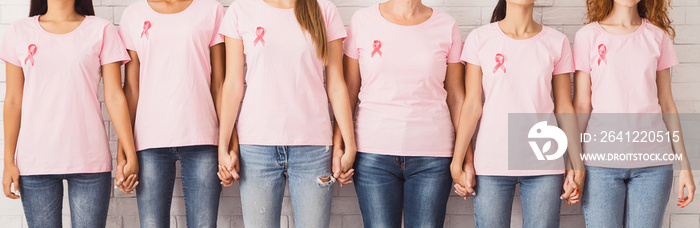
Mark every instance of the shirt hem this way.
pixel 519 173
pixel 68 171
pixel 181 144
pixel 406 153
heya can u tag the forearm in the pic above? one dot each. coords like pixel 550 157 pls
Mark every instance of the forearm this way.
pixel 118 109
pixel 337 136
pixel 469 116
pixel 231 97
pixel 673 125
pixel 11 116
pixel 340 102
pixel 566 120
pixel 454 104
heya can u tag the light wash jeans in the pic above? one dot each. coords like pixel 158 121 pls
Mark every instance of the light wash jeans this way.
pixel 264 173
pixel 200 185
pixel 88 196
pixel 630 197
pixel 391 186
pixel 539 197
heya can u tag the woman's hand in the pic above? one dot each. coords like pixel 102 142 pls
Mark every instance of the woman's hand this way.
pixel 228 167
pixel 464 177
pixel 10 176
pixel 573 186
pixel 685 182
pixel 343 161
pixel 126 175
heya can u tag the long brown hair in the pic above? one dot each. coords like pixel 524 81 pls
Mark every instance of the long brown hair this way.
pixel 656 11
pixel 499 12
pixel 82 7
pixel 310 18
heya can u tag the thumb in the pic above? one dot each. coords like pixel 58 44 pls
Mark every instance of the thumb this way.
pixel 235 175
pixel 680 191
pixel 336 167
pixel 16 181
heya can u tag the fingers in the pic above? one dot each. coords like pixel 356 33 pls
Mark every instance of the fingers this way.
pixel 336 167
pixel 127 186
pixel 685 200
pixel 568 190
pixel 344 178
pixel 234 174
pixel 461 191
pixel 681 194
pixel 129 182
pixel 7 189
pixel 225 176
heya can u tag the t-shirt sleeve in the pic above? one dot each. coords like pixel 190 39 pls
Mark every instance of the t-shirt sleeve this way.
pixel 334 25
pixel 668 54
pixel 124 32
pixel 455 52
pixel 8 50
pixel 113 49
pixel 229 24
pixel 350 45
pixel 471 45
pixel 565 62
pixel 581 52
pixel 216 37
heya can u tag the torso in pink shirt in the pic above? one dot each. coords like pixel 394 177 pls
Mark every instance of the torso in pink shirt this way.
pixel 403 109
pixel 517 78
pixel 285 100
pixel 175 106
pixel 623 81
pixel 62 130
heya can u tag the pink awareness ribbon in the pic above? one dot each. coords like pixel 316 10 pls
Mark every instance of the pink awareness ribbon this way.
pixel 30 56
pixel 259 32
pixel 377 45
pixel 146 27
pixel 500 59
pixel 602 50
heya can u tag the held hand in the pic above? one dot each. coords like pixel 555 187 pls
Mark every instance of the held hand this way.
pixel 464 177
pixel 10 177
pixel 228 168
pixel 685 182
pixel 126 175
pixel 342 165
pixel 572 191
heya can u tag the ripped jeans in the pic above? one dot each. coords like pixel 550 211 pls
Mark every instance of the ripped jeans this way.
pixel 264 173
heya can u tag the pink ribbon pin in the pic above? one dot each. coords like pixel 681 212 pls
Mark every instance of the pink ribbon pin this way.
pixel 259 32
pixel 500 59
pixel 602 50
pixel 30 56
pixel 377 45
pixel 146 27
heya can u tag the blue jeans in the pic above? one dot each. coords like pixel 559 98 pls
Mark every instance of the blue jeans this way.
pixel 539 197
pixel 200 185
pixel 630 197
pixel 88 196
pixel 264 173
pixel 387 185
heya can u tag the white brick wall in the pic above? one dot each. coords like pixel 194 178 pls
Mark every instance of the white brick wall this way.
pixel 564 15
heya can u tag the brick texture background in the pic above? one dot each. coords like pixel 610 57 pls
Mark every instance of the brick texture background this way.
pixel 564 15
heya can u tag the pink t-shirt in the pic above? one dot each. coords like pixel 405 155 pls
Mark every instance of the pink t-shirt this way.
pixel 517 78
pixel 623 81
pixel 285 100
pixel 62 130
pixel 403 109
pixel 175 106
